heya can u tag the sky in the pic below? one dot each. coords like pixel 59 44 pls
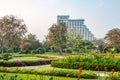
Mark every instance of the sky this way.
pixel 100 15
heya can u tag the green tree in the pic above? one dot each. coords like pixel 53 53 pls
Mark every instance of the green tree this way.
pixel 87 46
pixel 70 41
pixel 78 43
pixel 31 37
pixel 57 36
pixel 112 38
pixel 13 30
pixel 100 43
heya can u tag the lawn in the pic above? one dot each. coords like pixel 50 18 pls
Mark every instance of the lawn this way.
pixel 25 58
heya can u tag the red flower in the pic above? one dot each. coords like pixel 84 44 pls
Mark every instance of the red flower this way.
pixel 79 76
pixel 113 70
pixel 105 69
pixel 97 67
pixel 80 70
pixel 67 75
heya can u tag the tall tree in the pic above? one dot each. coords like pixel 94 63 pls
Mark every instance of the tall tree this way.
pixel 113 38
pixel 13 30
pixel 2 34
pixel 57 36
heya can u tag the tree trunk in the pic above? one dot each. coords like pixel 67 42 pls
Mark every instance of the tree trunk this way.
pixel 60 51
pixel 2 47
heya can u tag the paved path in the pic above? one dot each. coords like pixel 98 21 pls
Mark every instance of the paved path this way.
pixel 102 74
pixel 38 66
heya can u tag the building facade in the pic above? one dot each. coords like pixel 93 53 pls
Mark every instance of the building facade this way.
pixel 76 26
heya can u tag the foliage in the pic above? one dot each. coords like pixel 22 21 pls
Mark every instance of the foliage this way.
pixel 112 50
pixel 57 36
pixel 31 37
pixel 24 63
pixel 78 43
pixel 28 45
pixel 88 62
pixel 6 56
pixel 38 51
pixel 38 77
pixel 113 38
pixel 12 30
pixel 53 72
pixel 100 43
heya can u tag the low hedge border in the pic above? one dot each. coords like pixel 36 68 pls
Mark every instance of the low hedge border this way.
pixel 85 65
pixel 24 63
pixel 51 72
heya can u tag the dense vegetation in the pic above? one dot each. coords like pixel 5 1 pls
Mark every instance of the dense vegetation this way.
pixel 89 62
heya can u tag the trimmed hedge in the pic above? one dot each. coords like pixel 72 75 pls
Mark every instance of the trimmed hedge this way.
pixel 85 65
pixel 24 63
pixel 52 71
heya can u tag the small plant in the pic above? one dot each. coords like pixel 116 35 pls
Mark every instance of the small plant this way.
pixel 79 75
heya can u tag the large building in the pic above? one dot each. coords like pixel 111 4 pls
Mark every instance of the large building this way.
pixel 76 26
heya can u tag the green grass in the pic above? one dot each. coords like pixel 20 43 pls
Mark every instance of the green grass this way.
pixel 39 77
pixel 25 58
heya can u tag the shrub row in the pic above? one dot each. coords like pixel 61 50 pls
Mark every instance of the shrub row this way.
pixel 23 63
pixel 85 65
pixel 51 71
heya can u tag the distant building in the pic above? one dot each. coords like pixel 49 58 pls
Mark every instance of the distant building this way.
pixel 77 26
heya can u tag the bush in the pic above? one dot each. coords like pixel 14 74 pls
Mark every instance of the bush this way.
pixel 23 63
pixel 38 51
pixel 52 71
pixel 6 56
pixel 85 65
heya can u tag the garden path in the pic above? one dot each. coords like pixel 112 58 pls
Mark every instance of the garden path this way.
pixel 102 74
pixel 38 66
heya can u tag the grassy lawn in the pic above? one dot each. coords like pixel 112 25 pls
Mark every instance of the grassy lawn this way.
pixel 37 77
pixel 25 58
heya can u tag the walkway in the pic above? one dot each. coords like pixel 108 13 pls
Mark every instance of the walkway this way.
pixel 38 66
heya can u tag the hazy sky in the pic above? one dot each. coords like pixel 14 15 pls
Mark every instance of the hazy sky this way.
pixel 100 15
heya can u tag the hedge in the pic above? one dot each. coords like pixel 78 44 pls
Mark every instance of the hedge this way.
pixel 24 63
pixel 51 71
pixel 85 65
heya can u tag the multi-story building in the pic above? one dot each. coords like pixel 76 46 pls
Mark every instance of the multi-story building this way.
pixel 76 26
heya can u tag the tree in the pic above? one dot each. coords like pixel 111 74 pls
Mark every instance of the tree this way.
pixel 78 43
pixel 13 30
pixel 57 36
pixel 29 45
pixel 100 44
pixel 2 34
pixel 113 38
pixel 87 46
pixel 31 37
